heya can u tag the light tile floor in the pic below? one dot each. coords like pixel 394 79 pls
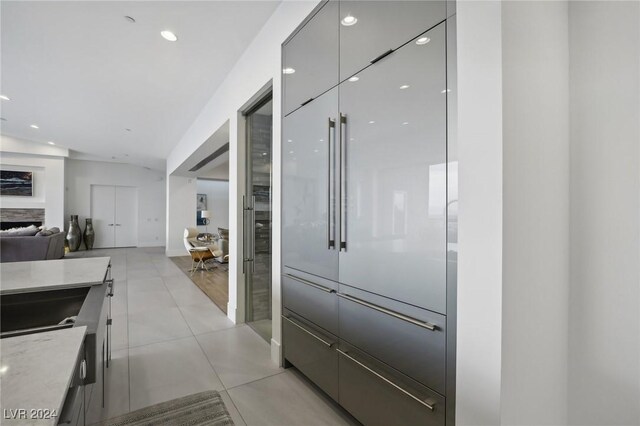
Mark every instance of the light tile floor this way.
pixel 169 340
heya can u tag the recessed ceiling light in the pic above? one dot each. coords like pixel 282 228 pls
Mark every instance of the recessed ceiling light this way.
pixel 288 70
pixel 404 86
pixel 168 35
pixel 34 126
pixel 290 152
pixel 445 91
pixel 315 150
pixel 5 98
pixel 349 20
pixel 289 140
pixel 354 78
pixel 405 123
pixel 371 122
pixel 51 143
pixel 423 40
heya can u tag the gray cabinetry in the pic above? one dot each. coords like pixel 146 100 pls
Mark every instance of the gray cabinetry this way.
pixel 368 301
pixel 381 26
pixel 396 186
pixel 310 58
pixel 312 351
pixel 308 188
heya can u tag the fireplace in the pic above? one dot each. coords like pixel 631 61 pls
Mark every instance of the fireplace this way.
pixel 14 218
pixel 8 225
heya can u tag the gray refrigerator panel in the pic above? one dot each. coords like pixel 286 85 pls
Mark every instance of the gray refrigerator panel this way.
pixel 380 26
pixel 309 222
pixel 310 58
pixel 394 176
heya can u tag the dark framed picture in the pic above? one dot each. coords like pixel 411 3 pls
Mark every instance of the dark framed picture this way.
pixel 202 202
pixel 15 183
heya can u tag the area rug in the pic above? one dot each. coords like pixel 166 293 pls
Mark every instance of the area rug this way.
pixel 205 408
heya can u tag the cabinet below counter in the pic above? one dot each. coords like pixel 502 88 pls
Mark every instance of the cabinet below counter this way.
pixel 36 371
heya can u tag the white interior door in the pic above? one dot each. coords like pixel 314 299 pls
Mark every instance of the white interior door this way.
pixel 103 214
pixel 126 216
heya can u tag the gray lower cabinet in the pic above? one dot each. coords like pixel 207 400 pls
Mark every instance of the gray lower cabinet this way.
pixel 376 395
pixel 407 338
pixel 313 299
pixel 312 351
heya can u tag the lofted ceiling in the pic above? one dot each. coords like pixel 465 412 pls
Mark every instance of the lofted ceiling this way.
pixel 108 88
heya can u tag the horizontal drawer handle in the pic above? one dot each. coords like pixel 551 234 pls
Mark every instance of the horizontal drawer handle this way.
pixel 310 333
pixel 394 314
pixel 430 406
pixel 309 283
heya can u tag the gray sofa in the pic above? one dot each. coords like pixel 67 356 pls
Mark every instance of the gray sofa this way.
pixel 36 247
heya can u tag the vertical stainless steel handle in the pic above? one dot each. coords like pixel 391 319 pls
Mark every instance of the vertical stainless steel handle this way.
pixel 331 210
pixel 244 233
pixel 343 182
pixel 253 233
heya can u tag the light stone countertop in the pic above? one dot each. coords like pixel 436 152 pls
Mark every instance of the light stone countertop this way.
pixel 22 277
pixel 35 373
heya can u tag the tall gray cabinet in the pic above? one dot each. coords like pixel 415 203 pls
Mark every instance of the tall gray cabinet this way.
pixel 369 196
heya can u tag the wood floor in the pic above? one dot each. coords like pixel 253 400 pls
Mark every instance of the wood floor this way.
pixel 214 283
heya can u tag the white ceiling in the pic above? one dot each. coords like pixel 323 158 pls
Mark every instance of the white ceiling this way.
pixel 83 73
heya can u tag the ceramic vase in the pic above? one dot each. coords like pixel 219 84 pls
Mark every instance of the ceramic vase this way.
pixel 89 234
pixel 74 235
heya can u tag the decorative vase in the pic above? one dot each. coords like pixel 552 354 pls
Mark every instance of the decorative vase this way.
pixel 74 235
pixel 89 234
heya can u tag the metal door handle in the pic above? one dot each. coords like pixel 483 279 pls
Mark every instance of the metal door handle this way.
pixel 83 369
pixel 430 405
pixel 331 213
pixel 253 233
pixel 111 224
pixel 311 284
pixel 343 182
pixel 389 312
pixel 328 344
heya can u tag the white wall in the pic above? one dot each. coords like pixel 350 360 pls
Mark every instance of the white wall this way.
pixel 604 351
pixel 181 212
pixel 260 64
pixel 81 174
pixel 535 279
pixel 480 213
pixel 47 164
pixel 217 192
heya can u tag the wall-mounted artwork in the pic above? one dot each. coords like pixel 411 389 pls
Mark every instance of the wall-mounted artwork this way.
pixel 202 202
pixel 15 183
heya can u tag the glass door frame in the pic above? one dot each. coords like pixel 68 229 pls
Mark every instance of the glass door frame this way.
pixel 249 212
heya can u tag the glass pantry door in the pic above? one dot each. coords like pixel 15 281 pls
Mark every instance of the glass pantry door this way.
pixel 257 218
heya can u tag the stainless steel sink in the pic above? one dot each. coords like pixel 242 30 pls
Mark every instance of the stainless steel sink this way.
pixel 26 313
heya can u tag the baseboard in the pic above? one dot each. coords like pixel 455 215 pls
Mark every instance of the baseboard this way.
pixel 231 312
pixel 150 244
pixel 276 352
pixel 174 253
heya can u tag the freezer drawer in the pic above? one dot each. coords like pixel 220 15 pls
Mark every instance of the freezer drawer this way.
pixel 409 339
pixel 313 300
pixel 312 352
pixel 375 395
